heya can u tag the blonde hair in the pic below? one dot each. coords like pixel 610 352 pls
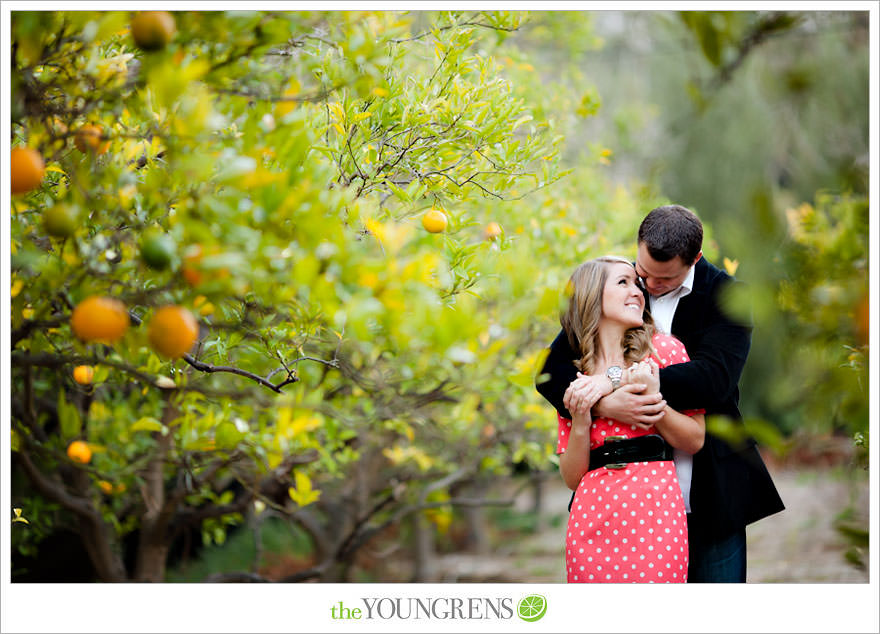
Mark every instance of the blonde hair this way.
pixel 580 321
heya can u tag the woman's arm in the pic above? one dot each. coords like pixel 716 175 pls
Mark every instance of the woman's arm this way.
pixel 574 462
pixel 684 432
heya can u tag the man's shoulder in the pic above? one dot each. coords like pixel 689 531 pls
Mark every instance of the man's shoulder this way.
pixel 707 276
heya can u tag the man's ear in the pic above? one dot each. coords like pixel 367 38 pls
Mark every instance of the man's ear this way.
pixel 697 259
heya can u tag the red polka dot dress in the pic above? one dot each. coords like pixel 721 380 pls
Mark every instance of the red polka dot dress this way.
pixel 627 525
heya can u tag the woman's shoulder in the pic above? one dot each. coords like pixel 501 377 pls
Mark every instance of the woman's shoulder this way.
pixel 668 350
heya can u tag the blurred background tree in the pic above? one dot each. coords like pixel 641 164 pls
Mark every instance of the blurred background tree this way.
pixel 745 117
pixel 360 373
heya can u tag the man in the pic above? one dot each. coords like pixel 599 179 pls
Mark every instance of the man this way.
pixel 725 486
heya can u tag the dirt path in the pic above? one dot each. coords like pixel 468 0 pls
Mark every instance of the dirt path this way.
pixel 799 545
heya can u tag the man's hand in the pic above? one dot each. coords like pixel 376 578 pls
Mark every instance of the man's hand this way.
pixel 628 405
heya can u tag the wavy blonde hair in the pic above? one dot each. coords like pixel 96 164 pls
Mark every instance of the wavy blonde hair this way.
pixel 580 321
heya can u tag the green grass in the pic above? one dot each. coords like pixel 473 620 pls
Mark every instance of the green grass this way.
pixel 279 538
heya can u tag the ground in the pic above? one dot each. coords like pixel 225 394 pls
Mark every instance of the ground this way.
pixel 798 545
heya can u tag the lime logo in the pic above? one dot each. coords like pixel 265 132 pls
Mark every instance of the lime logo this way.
pixel 532 608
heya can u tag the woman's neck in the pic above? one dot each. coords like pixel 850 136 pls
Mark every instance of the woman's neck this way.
pixel 610 349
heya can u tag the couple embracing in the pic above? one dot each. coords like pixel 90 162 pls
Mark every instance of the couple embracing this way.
pixel 645 354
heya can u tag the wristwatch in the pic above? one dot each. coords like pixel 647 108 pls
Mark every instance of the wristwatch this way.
pixel 614 373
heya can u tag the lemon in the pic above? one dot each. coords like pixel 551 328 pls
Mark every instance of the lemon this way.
pixel 434 221
pixel 60 220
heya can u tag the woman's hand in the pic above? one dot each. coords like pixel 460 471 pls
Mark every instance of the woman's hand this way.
pixel 645 372
pixel 582 394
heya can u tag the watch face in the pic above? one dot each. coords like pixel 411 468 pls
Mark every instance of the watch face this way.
pixel 614 372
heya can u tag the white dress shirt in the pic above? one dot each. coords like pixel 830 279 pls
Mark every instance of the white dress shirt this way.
pixel 663 311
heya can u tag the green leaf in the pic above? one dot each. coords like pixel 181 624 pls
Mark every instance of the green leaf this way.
pixel 147 423
pixel 68 417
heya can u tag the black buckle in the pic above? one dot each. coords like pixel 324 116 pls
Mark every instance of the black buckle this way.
pixel 615 465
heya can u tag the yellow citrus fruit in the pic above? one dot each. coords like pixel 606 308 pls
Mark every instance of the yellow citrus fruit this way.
pixel 173 331
pixel 152 30
pixel 28 169
pixel 78 451
pixel 493 231
pixel 434 221
pixel 99 319
pixel 83 374
pixel 88 139
pixel 105 487
pixel 60 220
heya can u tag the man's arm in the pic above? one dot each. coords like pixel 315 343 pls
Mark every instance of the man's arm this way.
pixel 710 378
pixel 627 405
pixel 557 374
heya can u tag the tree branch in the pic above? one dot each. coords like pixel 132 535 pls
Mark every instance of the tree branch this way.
pixel 56 491
pixel 453 26
pixel 275 387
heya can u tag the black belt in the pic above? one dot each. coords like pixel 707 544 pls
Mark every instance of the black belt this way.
pixel 618 451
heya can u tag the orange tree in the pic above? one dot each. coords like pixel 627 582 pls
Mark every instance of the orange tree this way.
pixel 250 188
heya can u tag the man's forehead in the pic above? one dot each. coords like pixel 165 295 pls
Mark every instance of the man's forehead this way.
pixel 670 268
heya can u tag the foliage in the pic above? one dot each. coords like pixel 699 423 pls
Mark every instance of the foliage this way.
pixel 351 368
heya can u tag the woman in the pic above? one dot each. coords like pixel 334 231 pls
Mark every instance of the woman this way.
pixel 627 520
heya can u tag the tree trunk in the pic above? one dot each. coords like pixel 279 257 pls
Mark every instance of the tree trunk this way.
pixel 538 501
pixel 155 537
pixel 152 554
pixel 477 538
pixel 100 546
pixel 424 557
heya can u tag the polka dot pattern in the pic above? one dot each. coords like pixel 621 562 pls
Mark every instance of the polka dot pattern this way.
pixel 627 525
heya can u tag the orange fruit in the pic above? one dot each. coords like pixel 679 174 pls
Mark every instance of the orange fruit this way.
pixel 493 231
pixel 173 331
pixel 152 30
pixel 434 221
pixel 83 374
pixel 190 270
pixel 78 451
pixel 28 169
pixel 88 139
pixel 99 319
pixel 60 220
pixel 106 487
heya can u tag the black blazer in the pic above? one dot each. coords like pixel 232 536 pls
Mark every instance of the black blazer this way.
pixel 730 487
